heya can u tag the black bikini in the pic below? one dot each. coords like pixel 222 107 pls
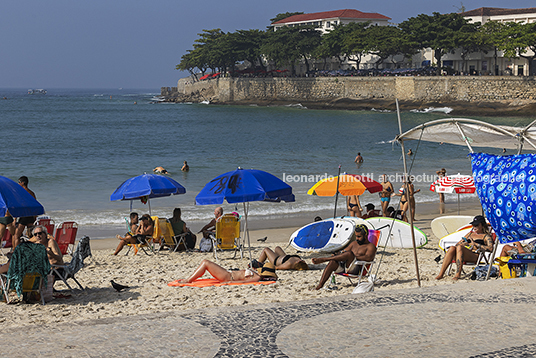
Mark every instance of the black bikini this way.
pixel 285 259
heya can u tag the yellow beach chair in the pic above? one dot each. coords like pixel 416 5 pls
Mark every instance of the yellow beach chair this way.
pixel 227 235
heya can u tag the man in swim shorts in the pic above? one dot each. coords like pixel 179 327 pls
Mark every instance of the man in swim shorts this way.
pixel 209 228
pixel 26 221
pixel 361 249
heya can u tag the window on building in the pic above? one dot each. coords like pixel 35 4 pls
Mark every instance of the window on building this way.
pixel 520 70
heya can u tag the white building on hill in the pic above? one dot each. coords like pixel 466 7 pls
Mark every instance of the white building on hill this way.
pixel 327 19
pixel 485 63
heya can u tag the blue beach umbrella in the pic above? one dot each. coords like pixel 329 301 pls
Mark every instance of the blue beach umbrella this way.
pixel 243 186
pixel 17 200
pixel 147 186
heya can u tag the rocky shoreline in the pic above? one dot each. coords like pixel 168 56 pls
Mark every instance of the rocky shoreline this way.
pixel 459 108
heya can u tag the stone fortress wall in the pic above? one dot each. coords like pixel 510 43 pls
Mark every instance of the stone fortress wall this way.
pixel 508 89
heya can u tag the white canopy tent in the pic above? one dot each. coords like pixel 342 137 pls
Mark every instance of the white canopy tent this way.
pixel 473 133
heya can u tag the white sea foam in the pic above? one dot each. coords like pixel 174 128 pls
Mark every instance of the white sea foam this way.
pixel 445 110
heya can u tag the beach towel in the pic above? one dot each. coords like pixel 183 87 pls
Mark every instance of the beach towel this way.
pixel 208 282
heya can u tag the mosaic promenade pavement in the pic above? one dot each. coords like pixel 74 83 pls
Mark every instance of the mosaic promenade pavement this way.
pixel 467 319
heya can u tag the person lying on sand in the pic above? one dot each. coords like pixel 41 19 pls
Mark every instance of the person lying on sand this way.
pixel 266 273
pixel 280 260
pixel 360 250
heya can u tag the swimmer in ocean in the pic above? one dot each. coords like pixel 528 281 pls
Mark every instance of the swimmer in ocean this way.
pixel 160 170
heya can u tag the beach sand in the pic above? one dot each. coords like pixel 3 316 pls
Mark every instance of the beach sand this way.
pixel 148 277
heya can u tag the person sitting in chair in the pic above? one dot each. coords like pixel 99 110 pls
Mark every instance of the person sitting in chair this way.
pixel 370 211
pixel 210 228
pixel 179 227
pixel 40 236
pixel 266 273
pixel 467 249
pixel 359 250
pixel 280 260
pixel 145 229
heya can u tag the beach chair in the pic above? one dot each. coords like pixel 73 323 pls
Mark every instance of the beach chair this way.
pixel 5 242
pixel 227 236
pixel 168 237
pixel 364 267
pixel 483 256
pixel 66 236
pixel 28 270
pixel 47 222
pixel 69 270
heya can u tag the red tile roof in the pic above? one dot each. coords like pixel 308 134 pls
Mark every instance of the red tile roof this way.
pixel 495 11
pixel 344 14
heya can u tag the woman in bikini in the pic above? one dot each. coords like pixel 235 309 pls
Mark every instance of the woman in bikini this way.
pixel 385 194
pixel 267 273
pixel 353 205
pixel 280 260
pixel 467 249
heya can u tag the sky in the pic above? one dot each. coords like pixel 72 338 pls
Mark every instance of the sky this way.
pixel 137 44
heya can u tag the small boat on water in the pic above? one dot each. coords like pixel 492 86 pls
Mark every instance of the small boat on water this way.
pixel 37 91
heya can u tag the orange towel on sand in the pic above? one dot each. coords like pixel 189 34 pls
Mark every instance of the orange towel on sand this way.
pixel 207 282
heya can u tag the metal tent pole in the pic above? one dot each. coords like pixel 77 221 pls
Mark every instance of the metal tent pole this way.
pixel 406 184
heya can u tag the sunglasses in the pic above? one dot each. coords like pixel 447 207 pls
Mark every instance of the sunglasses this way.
pixel 39 232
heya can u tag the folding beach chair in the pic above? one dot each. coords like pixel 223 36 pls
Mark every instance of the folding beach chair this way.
pixel 483 257
pixel 66 236
pixel 167 236
pixel 69 270
pixel 28 270
pixel 361 268
pixel 227 235
pixel 5 242
pixel 47 222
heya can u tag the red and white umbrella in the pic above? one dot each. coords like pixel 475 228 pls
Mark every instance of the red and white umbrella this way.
pixel 459 184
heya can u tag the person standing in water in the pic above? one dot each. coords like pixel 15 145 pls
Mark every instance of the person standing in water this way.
pixel 385 194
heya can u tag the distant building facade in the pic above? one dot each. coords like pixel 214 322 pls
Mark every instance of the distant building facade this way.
pixel 491 63
pixel 326 20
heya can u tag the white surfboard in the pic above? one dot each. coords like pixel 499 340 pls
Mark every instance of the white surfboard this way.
pixel 453 238
pixel 327 235
pixel 445 225
pixel 397 233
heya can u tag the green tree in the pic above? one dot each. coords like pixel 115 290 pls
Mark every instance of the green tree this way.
pixel 438 32
pixel 490 37
pixel 354 41
pixel 248 45
pixel 288 45
pixel 517 39
pixel 387 41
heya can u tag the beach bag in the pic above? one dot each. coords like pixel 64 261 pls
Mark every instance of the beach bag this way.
pixel 190 240
pixel 481 272
pixel 503 267
pixel 205 245
pixel 365 286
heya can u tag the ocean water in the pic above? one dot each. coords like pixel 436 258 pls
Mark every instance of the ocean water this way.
pixel 78 146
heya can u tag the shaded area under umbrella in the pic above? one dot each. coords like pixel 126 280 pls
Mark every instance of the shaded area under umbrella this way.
pixel 345 184
pixel 243 186
pixel 145 187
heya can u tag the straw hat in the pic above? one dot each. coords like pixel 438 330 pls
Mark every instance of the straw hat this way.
pixel 267 270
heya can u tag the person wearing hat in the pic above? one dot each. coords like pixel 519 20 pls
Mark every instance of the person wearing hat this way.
pixel 264 273
pixel 361 250
pixel 468 248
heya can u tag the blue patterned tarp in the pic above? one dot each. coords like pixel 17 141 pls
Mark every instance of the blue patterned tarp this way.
pixel 506 186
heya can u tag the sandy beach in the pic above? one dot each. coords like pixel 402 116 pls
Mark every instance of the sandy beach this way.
pixel 148 277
